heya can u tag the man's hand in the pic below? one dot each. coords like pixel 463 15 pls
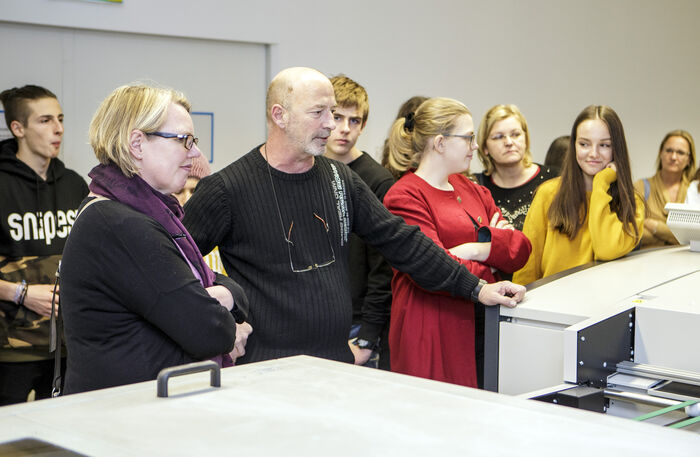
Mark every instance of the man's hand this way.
pixel 38 298
pixel 361 355
pixel 242 332
pixel 501 293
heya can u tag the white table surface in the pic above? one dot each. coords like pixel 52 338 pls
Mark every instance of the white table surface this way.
pixel 306 406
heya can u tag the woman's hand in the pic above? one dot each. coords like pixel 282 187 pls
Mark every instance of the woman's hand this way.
pixel 612 165
pixel 652 225
pixel 222 295
pixel 242 332
pixel 502 224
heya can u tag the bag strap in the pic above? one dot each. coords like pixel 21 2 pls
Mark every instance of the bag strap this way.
pixel 56 337
pixel 55 343
pixel 647 189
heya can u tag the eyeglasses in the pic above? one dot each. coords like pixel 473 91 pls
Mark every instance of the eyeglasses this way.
pixel 186 139
pixel 288 234
pixel 313 265
pixel 678 152
pixel 502 136
pixel 471 139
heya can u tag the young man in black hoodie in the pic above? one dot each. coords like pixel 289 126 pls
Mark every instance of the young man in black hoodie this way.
pixel 38 202
pixel 370 274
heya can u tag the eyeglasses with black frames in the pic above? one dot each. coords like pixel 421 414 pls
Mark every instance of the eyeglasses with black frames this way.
pixel 186 139
pixel 471 139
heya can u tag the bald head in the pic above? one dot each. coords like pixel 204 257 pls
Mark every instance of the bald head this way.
pixel 300 103
pixel 291 82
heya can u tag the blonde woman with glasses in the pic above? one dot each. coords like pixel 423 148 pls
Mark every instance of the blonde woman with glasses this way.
pixel 136 294
pixel 675 165
pixel 435 335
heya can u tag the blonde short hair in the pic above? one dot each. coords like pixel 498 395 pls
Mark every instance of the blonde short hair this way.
pixel 129 108
pixel 350 94
pixel 496 114
pixel 435 116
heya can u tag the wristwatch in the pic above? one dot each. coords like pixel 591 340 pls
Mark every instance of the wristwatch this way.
pixel 476 290
pixel 363 344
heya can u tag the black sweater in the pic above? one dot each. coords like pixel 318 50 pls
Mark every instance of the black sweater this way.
pixel 131 304
pixel 370 274
pixel 305 312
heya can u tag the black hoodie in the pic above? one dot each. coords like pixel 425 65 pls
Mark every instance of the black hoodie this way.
pixel 36 216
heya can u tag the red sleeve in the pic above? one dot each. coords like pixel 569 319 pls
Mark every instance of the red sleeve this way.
pixel 510 249
pixel 413 207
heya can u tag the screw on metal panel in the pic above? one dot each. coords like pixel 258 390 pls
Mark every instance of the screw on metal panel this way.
pixel 605 364
pixel 581 363
pixel 632 352
pixel 631 324
pixel 583 338
pixel 555 401
pixel 630 316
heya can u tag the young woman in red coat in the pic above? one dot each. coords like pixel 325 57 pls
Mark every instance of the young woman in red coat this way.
pixel 432 335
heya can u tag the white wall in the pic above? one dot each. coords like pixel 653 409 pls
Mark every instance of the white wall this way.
pixel 83 66
pixel 550 57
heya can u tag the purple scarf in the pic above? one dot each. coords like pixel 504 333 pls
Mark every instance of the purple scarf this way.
pixel 134 192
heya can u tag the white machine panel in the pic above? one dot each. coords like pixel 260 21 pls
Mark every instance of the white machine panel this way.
pixel 662 279
pixel 521 370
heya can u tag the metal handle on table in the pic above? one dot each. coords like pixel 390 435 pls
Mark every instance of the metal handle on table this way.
pixel 167 373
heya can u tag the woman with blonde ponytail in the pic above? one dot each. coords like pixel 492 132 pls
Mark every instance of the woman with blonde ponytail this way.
pixel 434 335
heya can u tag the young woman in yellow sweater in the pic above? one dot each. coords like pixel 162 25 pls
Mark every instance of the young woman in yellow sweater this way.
pixel 592 211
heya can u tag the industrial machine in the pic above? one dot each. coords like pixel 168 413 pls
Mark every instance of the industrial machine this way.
pixel 620 335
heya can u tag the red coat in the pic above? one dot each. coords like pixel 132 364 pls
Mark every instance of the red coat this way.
pixel 432 334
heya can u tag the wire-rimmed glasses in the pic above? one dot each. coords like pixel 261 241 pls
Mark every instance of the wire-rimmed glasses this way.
pixel 312 265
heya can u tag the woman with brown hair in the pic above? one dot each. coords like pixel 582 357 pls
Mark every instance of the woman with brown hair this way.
pixel 409 106
pixel 674 171
pixel 591 212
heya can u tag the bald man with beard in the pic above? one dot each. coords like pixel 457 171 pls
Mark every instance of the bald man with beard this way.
pixel 282 215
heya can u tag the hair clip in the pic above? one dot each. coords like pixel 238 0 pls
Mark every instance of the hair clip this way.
pixel 408 124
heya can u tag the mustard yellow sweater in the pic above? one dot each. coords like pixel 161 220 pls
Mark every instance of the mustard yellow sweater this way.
pixel 601 237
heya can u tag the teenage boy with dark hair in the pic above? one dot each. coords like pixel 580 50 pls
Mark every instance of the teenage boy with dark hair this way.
pixel 38 202
pixel 370 274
